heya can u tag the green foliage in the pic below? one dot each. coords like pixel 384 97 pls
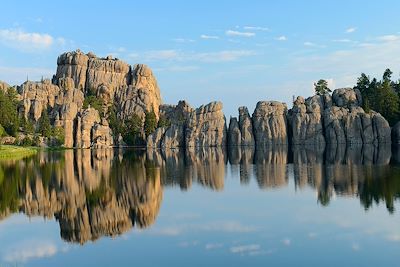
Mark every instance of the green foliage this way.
pixel 163 122
pixel 116 125
pixel 2 131
pixel 27 141
pixel 321 87
pixel 8 111
pixel 58 136
pixel 44 124
pixel 133 129
pixel 150 122
pixel 381 96
pixel 94 102
pixel 27 126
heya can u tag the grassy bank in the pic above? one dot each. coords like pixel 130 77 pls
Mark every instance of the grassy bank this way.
pixel 16 152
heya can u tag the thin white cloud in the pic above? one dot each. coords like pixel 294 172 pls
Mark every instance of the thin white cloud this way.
pixel 245 248
pixel 389 38
pixel 286 242
pixel 240 34
pixel 281 38
pixel 342 41
pixel 29 251
pixel 211 246
pixel 205 36
pixel 176 55
pixel 309 44
pixel 223 56
pixel 183 40
pixel 256 28
pixel 223 226
pixel 355 247
pixel 28 41
pixel 351 30
pixel 177 68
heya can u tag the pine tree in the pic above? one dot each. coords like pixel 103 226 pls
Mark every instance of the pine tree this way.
pixel 321 87
pixel 44 124
pixel 150 122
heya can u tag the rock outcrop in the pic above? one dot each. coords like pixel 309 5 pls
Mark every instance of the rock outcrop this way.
pixel 206 127
pixel 246 127
pixel 347 123
pixel 269 123
pixel 305 120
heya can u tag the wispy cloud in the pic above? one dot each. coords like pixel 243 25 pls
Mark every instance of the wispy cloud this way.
pixel 29 251
pixel 211 246
pixel 177 55
pixel 281 38
pixel 389 38
pixel 17 75
pixel 342 41
pixel 245 248
pixel 183 40
pixel 286 241
pixel 255 28
pixel 238 33
pixel 205 36
pixel 28 41
pixel 351 30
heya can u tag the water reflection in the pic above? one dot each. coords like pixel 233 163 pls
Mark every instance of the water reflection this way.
pixel 95 193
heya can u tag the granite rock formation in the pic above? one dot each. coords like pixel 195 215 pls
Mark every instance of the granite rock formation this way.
pixel 269 123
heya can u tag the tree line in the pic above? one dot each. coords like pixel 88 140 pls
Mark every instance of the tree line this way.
pixel 382 95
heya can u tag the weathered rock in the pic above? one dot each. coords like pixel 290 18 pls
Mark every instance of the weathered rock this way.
pixel 354 126
pixel 73 65
pixel 234 135
pixel 102 135
pixel 246 127
pixel 4 86
pixel 305 120
pixel 142 95
pixel 86 120
pixel 37 96
pixel 347 97
pixel 206 126
pixel 269 123
pixel 176 114
pixel 7 140
pixel 174 137
pixel 154 139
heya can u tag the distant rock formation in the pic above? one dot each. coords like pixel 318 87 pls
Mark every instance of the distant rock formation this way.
pixel 127 90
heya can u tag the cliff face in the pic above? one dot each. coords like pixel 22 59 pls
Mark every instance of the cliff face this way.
pixel 130 90
pixel 127 90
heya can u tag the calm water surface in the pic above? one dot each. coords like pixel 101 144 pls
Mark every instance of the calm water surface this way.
pixel 337 207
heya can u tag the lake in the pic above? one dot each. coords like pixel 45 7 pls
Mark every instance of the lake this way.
pixel 280 206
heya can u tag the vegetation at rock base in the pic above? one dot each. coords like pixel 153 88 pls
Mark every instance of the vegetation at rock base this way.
pixel 44 127
pixel 321 87
pixel 382 96
pixel 9 119
pixel 16 152
pixel 150 122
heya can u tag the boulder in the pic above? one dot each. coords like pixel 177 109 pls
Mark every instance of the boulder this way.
pixel 347 97
pixel 206 126
pixel 269 123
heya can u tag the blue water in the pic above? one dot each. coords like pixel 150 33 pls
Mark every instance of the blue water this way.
pixel 200 210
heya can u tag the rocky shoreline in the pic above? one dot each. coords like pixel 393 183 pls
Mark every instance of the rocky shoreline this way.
pixel 317 121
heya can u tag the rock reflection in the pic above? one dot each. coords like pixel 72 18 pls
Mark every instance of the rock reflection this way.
pixel 95 193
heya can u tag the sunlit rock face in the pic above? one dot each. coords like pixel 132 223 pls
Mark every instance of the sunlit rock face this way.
pixel 206 127
pixel 305 120
pixel 269 123
pixel 347 123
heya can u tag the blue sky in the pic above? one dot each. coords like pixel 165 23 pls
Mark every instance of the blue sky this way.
pixel 235 52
